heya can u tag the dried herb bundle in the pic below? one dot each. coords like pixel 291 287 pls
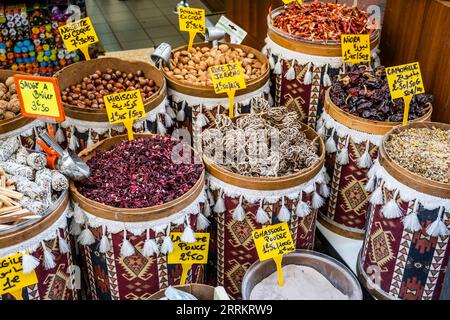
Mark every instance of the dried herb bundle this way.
pixel 422 151
pixel 365 93
pixel 142 173
pixel 268 144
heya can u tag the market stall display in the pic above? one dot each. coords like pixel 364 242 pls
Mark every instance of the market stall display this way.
pixel 406 243
pixel 85 84
pixel 190 90
pixel 123 222
pixel 304 50
pixel 358 112
pixel 308 276
pixel 33 222
pixel 282 181
pixel 12 123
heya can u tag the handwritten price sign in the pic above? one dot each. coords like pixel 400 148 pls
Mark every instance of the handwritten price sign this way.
pixel 79 35
pixel 193 21
pixel 125 107
pixel 228 78
pixel 12 278
pixel 272 243
pixel 355 48
pixel 39 97
pixel 188 254
pixel 300 2
pixel 405 81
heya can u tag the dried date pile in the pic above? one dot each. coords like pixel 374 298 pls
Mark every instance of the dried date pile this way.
pixel 9 101
pixel 265 144
pixel 143 173
pixel 191 66
pixel 89 93
pixel 365 93
pixel 320 21
pixel 424 151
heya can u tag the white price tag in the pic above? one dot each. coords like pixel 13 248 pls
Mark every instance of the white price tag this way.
pixel 236 33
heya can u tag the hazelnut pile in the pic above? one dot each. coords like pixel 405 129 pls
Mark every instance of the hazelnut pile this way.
pixel 191 66
pixel 9 101
pixel 90 92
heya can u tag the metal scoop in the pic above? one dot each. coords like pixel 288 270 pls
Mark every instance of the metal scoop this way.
pixel 71 165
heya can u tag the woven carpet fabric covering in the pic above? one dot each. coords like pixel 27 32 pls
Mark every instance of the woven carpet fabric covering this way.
pixel 299 80
pixel 405 257
pixel 56 278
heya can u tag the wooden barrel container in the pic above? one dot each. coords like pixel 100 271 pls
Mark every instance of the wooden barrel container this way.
pixel 302 69
pixel 47 241
pixel 356 140
pixel 191 103
pixel 406 257
pixel 85 126
pixel 19 126
pixel 234 250
pixel 200 291
pixel 112 274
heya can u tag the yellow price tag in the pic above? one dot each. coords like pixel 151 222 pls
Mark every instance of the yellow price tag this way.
pixel 39 97
pixel 355 48
pixel 272 243
pixel 79 35
pixel 300 2
pixel 228 78
pixel 405 81
pixel 125 107
pixel 192 20
pixel 188 254
pixel 12 278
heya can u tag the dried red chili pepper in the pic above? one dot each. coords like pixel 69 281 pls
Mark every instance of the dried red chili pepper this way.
pixel 321 21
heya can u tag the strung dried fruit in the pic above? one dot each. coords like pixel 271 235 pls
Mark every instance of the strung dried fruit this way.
pixel 89 93
pixel 319 21
pixel 365 93
pixel 142 173
pixel 424 151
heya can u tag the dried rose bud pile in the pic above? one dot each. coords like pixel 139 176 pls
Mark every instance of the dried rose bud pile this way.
pixel 139 174
pixel 269 144
pixel 9 102
pixel 424 151
pixel 321 21
pixel 89 93
pixel 191 66
pixel 365 93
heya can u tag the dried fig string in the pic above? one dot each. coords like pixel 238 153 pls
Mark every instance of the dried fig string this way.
pixel 270 144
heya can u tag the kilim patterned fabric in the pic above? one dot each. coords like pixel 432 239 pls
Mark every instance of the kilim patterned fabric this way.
pixel 410 265
pixel 54 284
pixel 113 277
pixel 232 246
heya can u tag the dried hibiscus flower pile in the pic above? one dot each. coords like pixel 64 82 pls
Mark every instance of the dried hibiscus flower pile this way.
pixel 365 93
pixel 141 173
pixel 264 144
pixel 321 21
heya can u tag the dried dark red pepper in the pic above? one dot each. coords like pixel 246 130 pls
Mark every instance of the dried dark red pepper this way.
pixel 366 94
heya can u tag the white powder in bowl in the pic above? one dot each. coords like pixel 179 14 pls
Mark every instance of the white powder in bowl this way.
pixel 300 283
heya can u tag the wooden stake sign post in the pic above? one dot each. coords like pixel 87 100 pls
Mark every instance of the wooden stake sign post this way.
pixel 228 78
pixel 355 48
pixel 404 82
pixel 193 21
pixel 12 278
pixel 188 254
pixel 272 243
pixel 79 35
pixel 39 97
pixel 125 107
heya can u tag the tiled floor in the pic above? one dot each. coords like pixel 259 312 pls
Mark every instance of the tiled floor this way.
pixel 135 24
